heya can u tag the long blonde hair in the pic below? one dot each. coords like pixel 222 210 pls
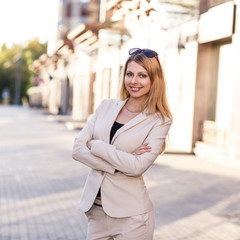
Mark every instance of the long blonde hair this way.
pixel 156 102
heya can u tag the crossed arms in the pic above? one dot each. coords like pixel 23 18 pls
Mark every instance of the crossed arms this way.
pixel 103 156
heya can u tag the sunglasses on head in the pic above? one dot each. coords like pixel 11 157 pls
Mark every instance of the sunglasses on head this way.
pixel 147 52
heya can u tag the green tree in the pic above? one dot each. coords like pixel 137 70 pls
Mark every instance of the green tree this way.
pixel 15 74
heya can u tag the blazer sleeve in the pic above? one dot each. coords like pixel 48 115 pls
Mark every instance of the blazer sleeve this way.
pixel 83 154
pixel 129 164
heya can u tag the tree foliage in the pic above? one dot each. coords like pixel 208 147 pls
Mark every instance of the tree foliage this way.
pixel 14 66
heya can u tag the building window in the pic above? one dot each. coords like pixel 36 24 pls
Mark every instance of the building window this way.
pixel 69 10
pixel 84 10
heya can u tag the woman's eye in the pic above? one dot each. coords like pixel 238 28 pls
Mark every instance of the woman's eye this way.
pixel 129 74
pixel 143 75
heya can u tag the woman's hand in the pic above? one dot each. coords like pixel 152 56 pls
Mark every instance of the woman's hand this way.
pixel 142 149
pixel 89 143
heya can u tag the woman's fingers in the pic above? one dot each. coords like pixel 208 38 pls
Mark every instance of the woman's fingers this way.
pixel 142 149
pixel 141 152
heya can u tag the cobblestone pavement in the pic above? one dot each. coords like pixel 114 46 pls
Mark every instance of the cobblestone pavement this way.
pixel 40 186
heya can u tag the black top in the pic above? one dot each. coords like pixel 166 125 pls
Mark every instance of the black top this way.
pixel 114 129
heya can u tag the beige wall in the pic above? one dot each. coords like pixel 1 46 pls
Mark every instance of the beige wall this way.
pixel 107 74
pixel 234 141
pixel 202 89
pixel 180 69
pixel 81 83
pixel 226 114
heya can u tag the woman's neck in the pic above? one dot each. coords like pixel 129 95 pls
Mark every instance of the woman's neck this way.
pixel 134 105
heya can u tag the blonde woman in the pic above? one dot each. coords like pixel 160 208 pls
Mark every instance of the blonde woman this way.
pixel 119 143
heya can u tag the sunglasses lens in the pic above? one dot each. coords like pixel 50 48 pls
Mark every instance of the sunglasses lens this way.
pixel 149 53
pixel 134 51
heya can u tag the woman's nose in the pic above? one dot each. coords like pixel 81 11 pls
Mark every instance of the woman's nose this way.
pixel 134 79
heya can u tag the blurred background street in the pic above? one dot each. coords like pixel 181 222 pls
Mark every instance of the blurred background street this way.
pixel 41 185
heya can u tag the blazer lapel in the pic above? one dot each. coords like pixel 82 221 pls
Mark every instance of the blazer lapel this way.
pixel 113 113
pixel 139 118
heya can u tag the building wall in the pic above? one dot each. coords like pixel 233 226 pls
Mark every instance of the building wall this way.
pixel 107 74
pixel 180 68
pixel 234 139
pixel 81 82
pixel 217 109
pixel 202 89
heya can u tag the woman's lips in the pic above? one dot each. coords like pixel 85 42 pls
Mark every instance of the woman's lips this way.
pixel 135 89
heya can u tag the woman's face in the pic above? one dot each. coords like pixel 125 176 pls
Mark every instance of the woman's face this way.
pixel 137 81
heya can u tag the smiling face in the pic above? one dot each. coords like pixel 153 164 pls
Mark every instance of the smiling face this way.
pixel 137 81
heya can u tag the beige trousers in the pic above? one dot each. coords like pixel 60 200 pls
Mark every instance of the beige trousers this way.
pixel 103 227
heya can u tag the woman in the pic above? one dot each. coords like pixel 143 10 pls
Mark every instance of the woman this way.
pixel 119 143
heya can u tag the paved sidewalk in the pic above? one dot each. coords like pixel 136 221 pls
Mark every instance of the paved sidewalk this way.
pixel 40 186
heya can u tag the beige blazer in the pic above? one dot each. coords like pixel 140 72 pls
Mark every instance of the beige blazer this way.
pixel 124 192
